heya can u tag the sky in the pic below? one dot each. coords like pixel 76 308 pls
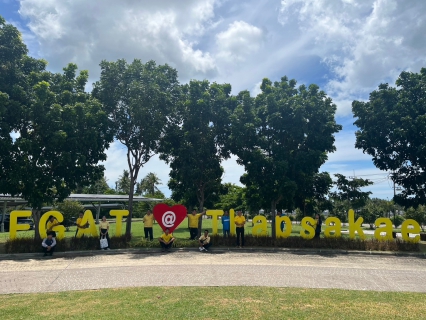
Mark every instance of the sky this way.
pixel 347 47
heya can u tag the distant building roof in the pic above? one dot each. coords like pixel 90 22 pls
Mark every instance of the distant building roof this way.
pixel 14 201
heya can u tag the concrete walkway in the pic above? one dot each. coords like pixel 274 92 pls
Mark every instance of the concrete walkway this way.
pixel 218 268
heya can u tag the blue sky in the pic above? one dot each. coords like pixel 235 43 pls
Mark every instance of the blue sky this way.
pixel 347 47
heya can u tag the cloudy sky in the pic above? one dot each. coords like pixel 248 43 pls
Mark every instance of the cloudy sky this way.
pixel 347 47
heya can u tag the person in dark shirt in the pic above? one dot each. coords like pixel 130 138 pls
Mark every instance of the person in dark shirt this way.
pixel 48 244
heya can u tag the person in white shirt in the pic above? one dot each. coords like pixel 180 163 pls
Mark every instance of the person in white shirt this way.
pixel 49 244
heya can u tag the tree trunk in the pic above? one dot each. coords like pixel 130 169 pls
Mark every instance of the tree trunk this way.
pixel 36 218
pixel 129 217
pixel 273 207
pixel 200 220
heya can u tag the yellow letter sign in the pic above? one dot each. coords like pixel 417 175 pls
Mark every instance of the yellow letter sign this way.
pixel 415 228
pixel 59 228
pixel 287 230
pixel 260 226
pixel 13 224
pixel 307 227
pixel 214 214
pixel 91 230
pixel 119 214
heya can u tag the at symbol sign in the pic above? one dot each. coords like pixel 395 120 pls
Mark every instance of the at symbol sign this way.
pixel 168 219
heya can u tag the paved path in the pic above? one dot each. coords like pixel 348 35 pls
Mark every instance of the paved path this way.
pixel 235 268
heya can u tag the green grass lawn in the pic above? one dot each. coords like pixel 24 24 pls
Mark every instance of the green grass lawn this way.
pixel 214 303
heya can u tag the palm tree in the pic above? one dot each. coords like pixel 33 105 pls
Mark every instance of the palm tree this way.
pixel 148 185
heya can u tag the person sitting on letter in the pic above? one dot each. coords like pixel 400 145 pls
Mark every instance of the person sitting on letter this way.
pixel 52 222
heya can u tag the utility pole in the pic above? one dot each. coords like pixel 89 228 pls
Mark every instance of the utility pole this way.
pixel 395 188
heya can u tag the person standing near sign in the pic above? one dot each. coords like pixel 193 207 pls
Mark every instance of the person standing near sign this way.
pixel 50 224
pixel 240 221
pixel 226 224
pixel 166 240
pixel 148 221
pixel 103 231
pixel 193 224
pixel 317 226
pixel 78 223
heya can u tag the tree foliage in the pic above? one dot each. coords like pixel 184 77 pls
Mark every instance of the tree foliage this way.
pixel 231 197
pixel 122 185
pixel 418 214
pixel 69 209
pixel 282 137
pixel 392 129
pixel 194 145
pixel 148 184
pixel 61 131
pixel 350 190
pixel 99 186
pixel 139 98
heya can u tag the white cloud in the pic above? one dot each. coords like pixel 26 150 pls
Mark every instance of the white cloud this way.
pixel 346 46
pixel 363 42
pixel 88 32
pixel 238 41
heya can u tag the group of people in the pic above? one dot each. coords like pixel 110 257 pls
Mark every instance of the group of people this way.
pixel 49 243
pixel 166 239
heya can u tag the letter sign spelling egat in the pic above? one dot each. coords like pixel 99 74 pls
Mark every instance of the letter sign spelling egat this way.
pixel 91 230
pixel 13 224
pixel 59 229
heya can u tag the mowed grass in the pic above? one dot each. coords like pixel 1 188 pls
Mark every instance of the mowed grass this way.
pixel 214 303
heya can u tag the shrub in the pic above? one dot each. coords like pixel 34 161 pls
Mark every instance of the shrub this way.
pixel 30 245
pixel 178 243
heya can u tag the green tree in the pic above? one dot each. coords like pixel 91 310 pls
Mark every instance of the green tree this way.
pixel 194 145
pixel 62 132
pixel 418 214
pixel 98 187
pixel 392 129
pixel 340 209
pixel 122 185
pixel 231 197
pixel 148 184
pixel 69 209
pixel 350 191
pixel 282 137
pixel 18 73
pixel 314 199
pixel 139 98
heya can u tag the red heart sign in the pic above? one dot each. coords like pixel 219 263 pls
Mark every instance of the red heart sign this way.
pixel 169 217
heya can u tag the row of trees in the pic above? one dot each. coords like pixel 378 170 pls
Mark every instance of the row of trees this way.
pixel 53 134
